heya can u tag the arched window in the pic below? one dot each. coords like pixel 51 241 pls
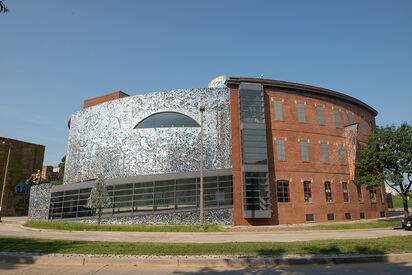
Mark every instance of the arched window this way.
pixel 166 119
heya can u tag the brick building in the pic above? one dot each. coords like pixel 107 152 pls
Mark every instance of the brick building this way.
pixel 275 152
pixel 52 171
pixel 25 159
pixel 307 165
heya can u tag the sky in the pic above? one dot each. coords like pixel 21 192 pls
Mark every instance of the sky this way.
pixel 55 54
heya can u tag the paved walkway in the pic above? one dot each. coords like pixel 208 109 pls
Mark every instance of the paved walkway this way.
pixel 14 228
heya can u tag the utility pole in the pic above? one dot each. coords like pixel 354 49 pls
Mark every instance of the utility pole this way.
pixel 202 109
pixel 5 177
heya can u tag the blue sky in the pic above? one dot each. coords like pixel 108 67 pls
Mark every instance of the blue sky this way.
pixel 55 54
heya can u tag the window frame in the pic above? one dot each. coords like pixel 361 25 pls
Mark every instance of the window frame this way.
pixel 307 191
pixel 283 196
pixel 328 192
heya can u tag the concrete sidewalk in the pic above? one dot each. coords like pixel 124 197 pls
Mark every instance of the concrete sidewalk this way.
pixel 14 229
pixel 193 261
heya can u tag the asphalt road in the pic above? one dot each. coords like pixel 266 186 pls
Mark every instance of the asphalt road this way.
pixel 378 269
pixel 14 229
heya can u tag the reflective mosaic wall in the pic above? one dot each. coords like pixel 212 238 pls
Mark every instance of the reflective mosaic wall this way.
pixel 102 138
pixel 39 201
pixel 223 216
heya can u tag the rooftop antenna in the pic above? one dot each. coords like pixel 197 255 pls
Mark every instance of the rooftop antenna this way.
pixel 261 76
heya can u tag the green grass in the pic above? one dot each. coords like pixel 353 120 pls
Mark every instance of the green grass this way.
pixel 363 225
pixel 398 202
pixel 362 246
pixel 77 226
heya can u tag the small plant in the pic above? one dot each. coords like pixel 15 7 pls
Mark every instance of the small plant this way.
pixel 99 198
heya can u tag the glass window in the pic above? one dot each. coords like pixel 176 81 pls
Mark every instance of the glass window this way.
pixel 362 215
pixel 304 151
pixel 167 119
pixel 350 118
pixel 363 125
pixel 371 126
pixel 337 117
pixel 321 116
pixel 341 154
pixel 278 110
pixel 301 112
pixel 345 192
pixel 359 189
pixel 310 218
pixel 280 148
pixel 372 194
pixel 348 216
pixel 307 186
pixel 283 191
pixel 380 194
pixel 331 217
pixel 328 191
pixel 325 156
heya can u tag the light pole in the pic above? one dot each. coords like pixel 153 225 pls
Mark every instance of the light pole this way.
pixel 5 177
pixel 202 109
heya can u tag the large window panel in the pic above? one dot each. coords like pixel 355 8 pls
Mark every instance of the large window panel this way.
pixel 167 119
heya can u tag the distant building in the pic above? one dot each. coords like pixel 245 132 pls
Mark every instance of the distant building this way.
pixel 25 159
pixel 50 170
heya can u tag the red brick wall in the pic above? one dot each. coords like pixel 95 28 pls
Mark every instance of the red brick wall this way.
pixel 294 170
pixel 25 159
pixel 97 100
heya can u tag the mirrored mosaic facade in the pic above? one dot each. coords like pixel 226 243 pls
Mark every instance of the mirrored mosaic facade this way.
pixel 103 139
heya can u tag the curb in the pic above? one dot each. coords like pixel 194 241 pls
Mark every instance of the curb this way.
pixel 195 261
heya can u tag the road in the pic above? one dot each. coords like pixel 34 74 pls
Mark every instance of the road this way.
pixel 375 268
pixel 14 229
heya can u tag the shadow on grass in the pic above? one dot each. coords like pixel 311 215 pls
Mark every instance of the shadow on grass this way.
pixel 334 250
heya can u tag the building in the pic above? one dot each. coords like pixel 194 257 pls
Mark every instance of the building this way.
pixel 275 152
pixel 52 172
pixel 25 159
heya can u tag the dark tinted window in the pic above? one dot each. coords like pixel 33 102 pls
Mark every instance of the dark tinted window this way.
pixel 167 119
pixel 310 218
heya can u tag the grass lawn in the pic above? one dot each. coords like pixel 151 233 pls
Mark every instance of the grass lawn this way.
pixel 398 202
pixel 364 246
pixel 363 225
pixel 77 226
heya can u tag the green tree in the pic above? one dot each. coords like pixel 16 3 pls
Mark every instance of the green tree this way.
pixel 387 157
pixel 99 198
pixel 61 169
pixel 3 8
pixel 48 177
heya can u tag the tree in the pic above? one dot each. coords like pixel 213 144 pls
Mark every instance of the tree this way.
pixel 3 8
pixel 387 157
pixel 99 198
pixel 48 177
pixel 61 169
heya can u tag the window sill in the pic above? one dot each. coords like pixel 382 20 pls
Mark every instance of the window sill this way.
pixel 289 202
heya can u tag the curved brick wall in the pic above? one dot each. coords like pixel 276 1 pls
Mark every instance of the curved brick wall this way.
pixel 292 168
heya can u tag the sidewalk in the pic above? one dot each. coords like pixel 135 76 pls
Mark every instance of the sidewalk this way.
pixel 14 229
pixel 194 261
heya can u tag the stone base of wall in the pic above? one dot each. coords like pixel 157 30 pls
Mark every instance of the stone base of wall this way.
pixel 211 216
pixel 39 201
